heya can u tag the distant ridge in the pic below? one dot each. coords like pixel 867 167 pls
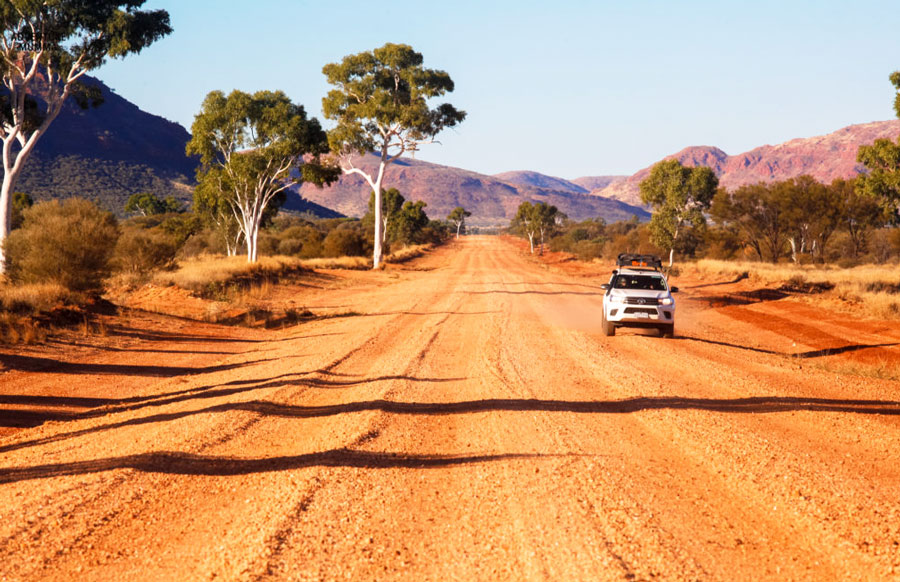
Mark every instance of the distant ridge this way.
pixel 492 201
pixel 110 152
pixel 528 178
pixel 824 157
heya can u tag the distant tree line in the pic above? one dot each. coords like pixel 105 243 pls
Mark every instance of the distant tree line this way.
pixel 799 220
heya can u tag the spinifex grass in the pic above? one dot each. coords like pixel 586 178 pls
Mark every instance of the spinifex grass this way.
pixel 872 289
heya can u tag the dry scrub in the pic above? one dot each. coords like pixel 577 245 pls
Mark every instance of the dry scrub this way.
pixel 872 289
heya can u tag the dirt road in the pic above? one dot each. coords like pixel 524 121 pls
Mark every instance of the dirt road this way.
pixel 463 419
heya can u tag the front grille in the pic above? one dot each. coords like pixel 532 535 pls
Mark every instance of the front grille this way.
pixel 642 301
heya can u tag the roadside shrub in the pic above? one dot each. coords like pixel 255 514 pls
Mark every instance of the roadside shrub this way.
pixel 343 242
pixel 267 244
pixel 69 243
pixel 142 251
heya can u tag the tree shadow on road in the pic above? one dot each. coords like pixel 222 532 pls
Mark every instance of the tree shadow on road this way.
pixel 175 463
pixel 799 355
pixel 263 408
pixel 50 365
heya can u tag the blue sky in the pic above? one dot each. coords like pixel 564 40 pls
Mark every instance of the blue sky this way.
pixel 567 88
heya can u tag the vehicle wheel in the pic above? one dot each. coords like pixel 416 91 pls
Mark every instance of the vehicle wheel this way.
pixel 667 330
pixel 608 328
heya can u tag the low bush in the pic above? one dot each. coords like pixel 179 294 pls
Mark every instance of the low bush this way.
pixel 69 243
pixel 343 242
pixel 140 251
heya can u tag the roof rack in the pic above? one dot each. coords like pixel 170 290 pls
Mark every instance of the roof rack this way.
pixel 646 261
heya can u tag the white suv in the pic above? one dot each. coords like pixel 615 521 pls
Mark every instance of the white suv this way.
pixel 638 295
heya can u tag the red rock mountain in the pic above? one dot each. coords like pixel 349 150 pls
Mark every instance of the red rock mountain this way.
pixel 824 157
pixel 491 201
pixel 527 178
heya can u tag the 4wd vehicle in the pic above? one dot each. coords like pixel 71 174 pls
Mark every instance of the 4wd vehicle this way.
pixel 638 295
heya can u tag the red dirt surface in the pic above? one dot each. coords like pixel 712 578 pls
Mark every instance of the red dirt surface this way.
pixel 461 418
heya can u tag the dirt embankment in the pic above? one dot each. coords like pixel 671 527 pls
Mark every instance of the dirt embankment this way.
pixel 462 418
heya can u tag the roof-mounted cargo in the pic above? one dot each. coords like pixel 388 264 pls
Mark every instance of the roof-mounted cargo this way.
pixel 639 261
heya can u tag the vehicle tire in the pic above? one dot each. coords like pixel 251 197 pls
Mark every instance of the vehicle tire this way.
pixel 608 328
pixel 667 330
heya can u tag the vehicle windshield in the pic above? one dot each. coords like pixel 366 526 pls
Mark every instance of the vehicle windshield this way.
pixel 645 282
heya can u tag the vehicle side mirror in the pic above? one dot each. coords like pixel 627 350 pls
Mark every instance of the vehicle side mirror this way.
pixel 673 289
pixel 604 286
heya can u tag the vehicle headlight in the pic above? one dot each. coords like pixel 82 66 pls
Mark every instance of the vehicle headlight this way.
pixel 666 301
pixel 616 299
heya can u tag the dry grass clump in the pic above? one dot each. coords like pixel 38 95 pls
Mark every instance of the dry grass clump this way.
pixel 408 253
pixel 401 255
pixel 20 329
pixel 19 304
pixel 210 274
pixel 357 263
pixel 32 298
pixel 875 289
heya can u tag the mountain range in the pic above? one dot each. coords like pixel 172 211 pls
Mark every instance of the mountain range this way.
pixel 110 152
pixel 824 157
pixel 491 200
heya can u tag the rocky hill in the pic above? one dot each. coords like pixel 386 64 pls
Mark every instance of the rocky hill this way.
pixel 492 201
pixel 110 152
pixel 591 183
pixel 536 180
pixel 824 157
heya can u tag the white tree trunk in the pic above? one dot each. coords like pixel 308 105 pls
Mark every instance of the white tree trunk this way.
pixel 458 226
pixel 531 241
pixel 5 216
pixel 793 242
pixel 671 256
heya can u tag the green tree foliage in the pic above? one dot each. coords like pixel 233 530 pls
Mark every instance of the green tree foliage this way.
pixel 536 220
pixel 679 196
pixel 882 180
pixel 248 146
pixel 380 104
pixel 812 212
pixel 148 204
pixel 859 213
pixel 410 223
pixel 754 214
pixel 212 203
pixel 47 47
pixel 882 161
pixel 69 243
pixel 391 205
pixel 458 217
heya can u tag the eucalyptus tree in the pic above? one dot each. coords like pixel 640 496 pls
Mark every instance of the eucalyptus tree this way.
pixel 391 205
pixel 537 219
pixel 859 213
pixel 380 102
pixel 882 161
pixel 45 50
pixel 458 217
pixel 679 196
pixel 525 222
pixel 251 148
